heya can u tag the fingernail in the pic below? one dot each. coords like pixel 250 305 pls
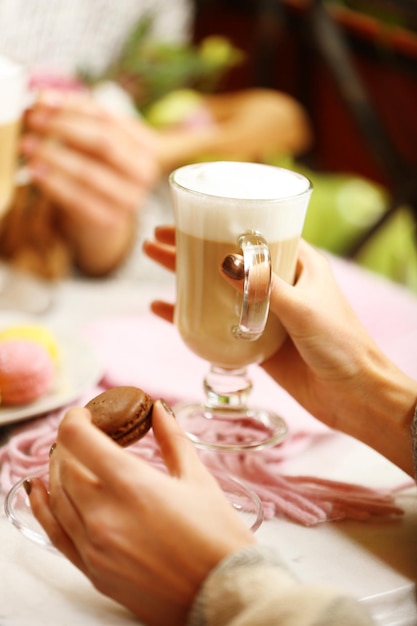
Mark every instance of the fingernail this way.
pixel 233 266
pixel 167 407
pixel 29 144
pixel 27 486
pixel 39 170
pixel 38 119
pixel 52 448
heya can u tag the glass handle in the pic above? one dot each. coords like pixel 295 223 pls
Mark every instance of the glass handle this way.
pixel 257 286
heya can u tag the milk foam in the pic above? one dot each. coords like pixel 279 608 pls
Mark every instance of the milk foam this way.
pixel 12 90
pixel 221 200
pixel 242 180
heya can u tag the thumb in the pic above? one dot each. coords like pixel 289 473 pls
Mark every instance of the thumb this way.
pixel 177 449
pixel 283 301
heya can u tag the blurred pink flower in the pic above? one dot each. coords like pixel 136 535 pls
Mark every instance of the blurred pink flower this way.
pixel 54 81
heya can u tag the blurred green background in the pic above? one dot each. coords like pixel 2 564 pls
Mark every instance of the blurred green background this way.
pixel 343 207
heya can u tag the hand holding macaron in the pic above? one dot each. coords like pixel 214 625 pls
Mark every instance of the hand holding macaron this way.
pixel 133 530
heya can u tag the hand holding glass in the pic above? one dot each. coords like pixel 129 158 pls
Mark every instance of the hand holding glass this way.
pixel 256 211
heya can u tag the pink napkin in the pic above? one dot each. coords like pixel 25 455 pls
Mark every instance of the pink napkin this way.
pixel 147 352
pixel 303 499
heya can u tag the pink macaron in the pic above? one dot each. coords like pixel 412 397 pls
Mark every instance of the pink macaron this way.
pixel 27 371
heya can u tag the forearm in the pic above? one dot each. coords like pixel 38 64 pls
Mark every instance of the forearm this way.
pixel 261 122
pixel 249 125
pixel 253 587
pixel 380 410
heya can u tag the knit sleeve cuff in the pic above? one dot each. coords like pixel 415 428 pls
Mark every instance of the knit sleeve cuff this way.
pixel 251 556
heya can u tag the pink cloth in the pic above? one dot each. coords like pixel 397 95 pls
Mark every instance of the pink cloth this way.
pixel 56 82
pixel 302 499
pixel 147 352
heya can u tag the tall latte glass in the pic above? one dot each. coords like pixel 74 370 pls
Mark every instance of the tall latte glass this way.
pixel 257 212
pixel 12 100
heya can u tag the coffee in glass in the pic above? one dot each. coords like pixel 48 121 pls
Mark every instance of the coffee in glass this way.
pixel 256 211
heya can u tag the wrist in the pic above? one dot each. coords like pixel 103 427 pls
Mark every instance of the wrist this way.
pixel 382 414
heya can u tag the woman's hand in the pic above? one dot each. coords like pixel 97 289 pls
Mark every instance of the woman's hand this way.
pixel 146 538
pixel 332 366
pixel 328 363
pixel 97 167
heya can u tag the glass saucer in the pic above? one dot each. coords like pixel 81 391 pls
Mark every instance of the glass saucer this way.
pixel 18 510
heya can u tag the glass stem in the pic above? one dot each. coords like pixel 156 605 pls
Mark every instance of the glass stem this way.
pixel 227 389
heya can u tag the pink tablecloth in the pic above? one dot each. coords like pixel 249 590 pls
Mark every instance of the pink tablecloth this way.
pixel 387 310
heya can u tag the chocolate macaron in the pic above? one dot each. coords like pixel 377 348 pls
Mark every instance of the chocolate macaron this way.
pixel 124 413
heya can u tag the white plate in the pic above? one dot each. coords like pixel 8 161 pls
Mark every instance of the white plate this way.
pixel 78 369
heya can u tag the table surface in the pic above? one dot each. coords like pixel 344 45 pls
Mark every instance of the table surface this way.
pixel 377 563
